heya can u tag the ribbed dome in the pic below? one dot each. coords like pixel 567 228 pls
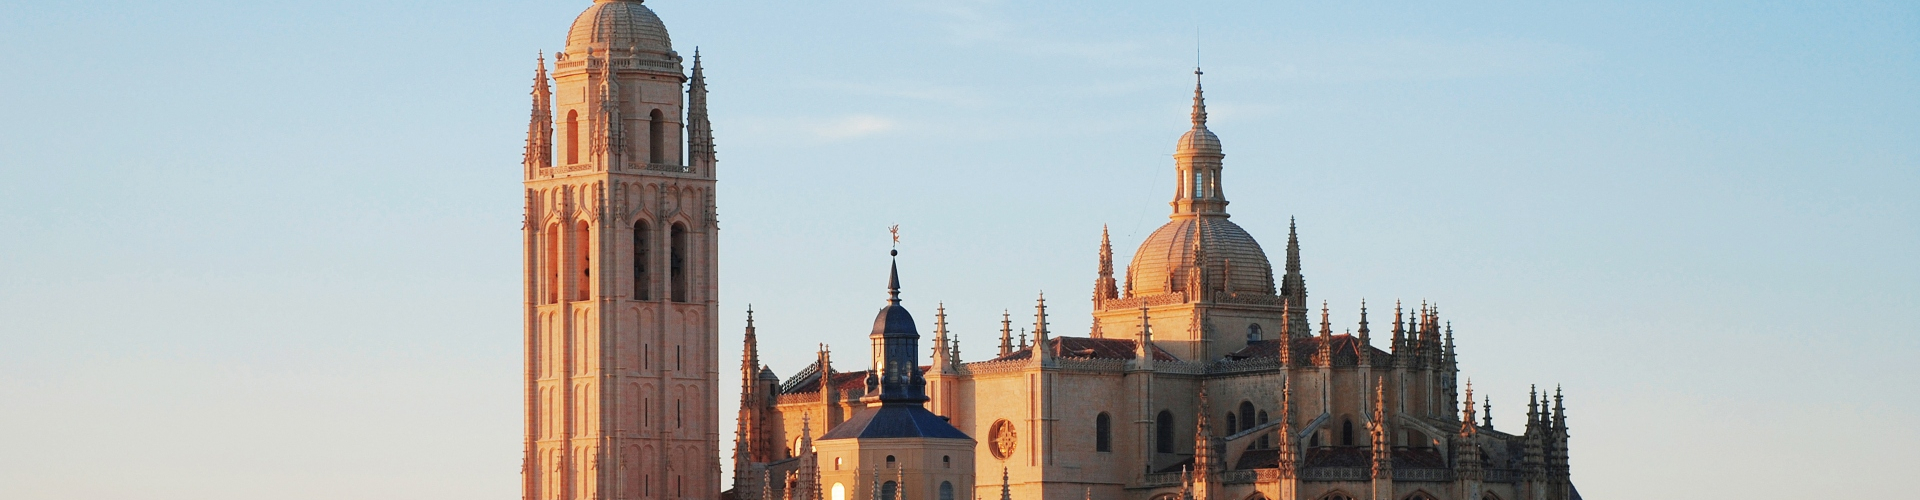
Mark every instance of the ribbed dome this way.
pixel 1199 140
pixel 1169 252
pixel 621 24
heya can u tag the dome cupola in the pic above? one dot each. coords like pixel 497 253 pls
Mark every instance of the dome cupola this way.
pixel 627 27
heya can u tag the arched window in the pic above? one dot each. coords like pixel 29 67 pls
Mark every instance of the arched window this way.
pixel 1163 432
pixel 1346 432
pixel 839 490
pixel 677 262
pixel 1232 424
pixel 890 461
pixel 1253 332
pixel 836 466
pixel 946 461
pixel 946 490
pixel 573 137
pixel 1102 432
pixel 642 251
pixel 1246 415
pixel 553 263
pixel 657 138
pixel 582 235
pixel 888 490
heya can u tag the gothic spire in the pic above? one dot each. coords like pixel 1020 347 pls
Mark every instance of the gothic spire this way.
pixel 540 126
pixel 700 130
pixel 1364 338
pixel 1040 350
pixel 1006 333
pixel 1104 288
pixel 1203 458
pixel 941 349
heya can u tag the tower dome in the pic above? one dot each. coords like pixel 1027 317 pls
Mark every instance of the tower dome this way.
pixel 621 25
pixel 1165 260
pixel 1232 259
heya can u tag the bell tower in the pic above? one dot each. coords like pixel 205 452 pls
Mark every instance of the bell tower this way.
pixel 621 269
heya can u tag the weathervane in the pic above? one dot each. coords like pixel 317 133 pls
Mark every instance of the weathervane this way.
pixel 895 229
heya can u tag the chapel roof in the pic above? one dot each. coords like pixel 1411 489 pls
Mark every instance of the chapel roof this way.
pixel 1346 350
pixel 1088 348
pixel 894 421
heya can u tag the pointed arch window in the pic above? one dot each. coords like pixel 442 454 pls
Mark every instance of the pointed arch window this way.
pixel 677 262
pixel 1233 424
pixel 583 248
pixel 1246 415
pixel 1103 432
pixel 573 137
pixel 1346 432
pixel 553 263
pixel 1163 432
pixel 657 137
pixel 642 251
pixel 1253 332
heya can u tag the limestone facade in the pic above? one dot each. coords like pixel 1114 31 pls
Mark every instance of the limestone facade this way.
pixel 1202 378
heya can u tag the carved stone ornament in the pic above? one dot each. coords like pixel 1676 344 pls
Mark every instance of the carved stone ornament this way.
pixel 1002 439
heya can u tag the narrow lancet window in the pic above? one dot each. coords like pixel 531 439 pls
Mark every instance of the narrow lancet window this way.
pixel 677 262
pixel 657 138
pixel 573 137
pixel 581 236
pixel 642 281
pixel 1103 432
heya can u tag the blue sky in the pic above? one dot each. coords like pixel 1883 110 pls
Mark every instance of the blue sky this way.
pixel 271 248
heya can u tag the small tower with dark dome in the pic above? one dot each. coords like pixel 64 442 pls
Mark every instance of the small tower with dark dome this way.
pixel 914 453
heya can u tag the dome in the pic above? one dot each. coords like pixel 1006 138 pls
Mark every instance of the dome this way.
pixel 1199 140
pixel 621 24
pixel 1168 252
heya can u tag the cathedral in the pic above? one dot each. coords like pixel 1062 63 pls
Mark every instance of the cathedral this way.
pixel 1202 376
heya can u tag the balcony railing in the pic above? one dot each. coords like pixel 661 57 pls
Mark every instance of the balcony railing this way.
pixel 1432 475
pixel 1335 474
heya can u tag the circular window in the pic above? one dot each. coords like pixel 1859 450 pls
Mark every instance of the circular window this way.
pixel 1002 438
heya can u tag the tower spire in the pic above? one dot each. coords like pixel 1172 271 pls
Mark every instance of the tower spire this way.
pixel 539 152
pixel 1006 333
pixel 1104 288
pixel 1197 164
pixel 1040 351
pixel 700 151
pixel 1199 101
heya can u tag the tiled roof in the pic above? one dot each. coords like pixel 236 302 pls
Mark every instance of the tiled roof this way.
pixel 1346 351
pixel 894 421
pixel 1088 348
pixel 1343 456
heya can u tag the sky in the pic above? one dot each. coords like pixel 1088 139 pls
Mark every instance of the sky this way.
pixel 270 248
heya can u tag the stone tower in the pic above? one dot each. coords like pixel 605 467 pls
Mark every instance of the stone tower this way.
pixel 621 268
